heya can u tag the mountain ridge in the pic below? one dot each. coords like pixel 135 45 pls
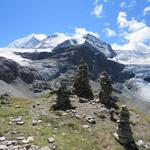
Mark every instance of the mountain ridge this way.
pixel 50 42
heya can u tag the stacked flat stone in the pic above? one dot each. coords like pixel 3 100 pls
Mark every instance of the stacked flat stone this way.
pixel 81 84
pixel 124 133
pixel 62 102
pixel 106 90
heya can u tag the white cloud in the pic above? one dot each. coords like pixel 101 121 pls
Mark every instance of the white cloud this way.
pixel 137 34
pixel 110 33
pixel 132 4
pixel 146 10
pixel 83 31
pixel 129 5
pixel 121 19
pixel 141 35
pixel 106 24
pixel 132 25
pixel 123 4
pixel 98 10
pixel 105 1
pixel 96 2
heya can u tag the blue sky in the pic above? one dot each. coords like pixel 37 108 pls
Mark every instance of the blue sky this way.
pixel 125 24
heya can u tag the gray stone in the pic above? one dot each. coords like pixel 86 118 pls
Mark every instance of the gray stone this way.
pixel 45 148
pixel 78 116
pixel 90 119
pixel 51 140
pixel 83 100
pixel 3 147
pixel 17 106
pixel 85 126
pixel 34 122
pixel 18 119
pixel 21 138
pixel 140 143
pixel 39 121
pixel 25 141
pixel 11 142
pixel 2 138
pixel 30 138
pixel 13 132
pixel 10 123
pixel 20 122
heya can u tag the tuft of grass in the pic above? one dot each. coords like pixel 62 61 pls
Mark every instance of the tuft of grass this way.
pixel 2 132
pixel 100 115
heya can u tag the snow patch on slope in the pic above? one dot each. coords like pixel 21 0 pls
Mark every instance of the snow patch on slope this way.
pixel 9 54
pixel 28 42
pixel 45 43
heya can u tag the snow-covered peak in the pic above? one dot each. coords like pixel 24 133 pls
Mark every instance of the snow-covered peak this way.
pixel 53 40
pixel 100 45
pixel 42 42
pixel 28 42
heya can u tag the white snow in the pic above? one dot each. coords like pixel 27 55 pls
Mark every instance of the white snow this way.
pixel 42 41
pixel 45 43
pixel 9 54
pixel 28 41
pixel 54 40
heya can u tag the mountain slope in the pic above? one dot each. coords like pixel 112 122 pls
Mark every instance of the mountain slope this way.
pixel 30 41
pixel 62 61
pixel 48 43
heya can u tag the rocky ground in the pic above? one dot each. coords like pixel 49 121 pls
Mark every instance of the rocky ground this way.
pixel 29 124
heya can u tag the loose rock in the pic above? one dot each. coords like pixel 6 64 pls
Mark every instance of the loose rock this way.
pixel 51 140
pixel 90 119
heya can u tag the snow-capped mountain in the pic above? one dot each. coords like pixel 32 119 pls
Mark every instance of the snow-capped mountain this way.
pixel 42 42
pixel 30 41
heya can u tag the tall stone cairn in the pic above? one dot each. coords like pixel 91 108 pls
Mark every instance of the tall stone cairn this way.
pixel 106 90
pixel 62 102
pixel 81 82
pixel 124 133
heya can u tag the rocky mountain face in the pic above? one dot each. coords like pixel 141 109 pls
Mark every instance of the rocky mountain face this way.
pixel 56 57
pixel 64 60
pixel 39 42
pixel 11 70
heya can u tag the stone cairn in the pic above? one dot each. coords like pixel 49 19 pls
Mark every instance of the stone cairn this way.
pixel 62 102
pixel 4 98
pixel 106 91
pixel 81 84
pixel 124 133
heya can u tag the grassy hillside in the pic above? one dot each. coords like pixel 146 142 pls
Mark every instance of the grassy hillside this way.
pixel 65 127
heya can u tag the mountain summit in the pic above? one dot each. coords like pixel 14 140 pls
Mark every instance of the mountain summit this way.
pixel 28 42
pixel 48 43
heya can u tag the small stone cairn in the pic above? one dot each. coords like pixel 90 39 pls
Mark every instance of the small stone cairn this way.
pixel 106 91
pixel 62 102
pixel 124 134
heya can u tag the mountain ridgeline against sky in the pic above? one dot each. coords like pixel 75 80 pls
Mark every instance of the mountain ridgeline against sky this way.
pixel 42 41
pixel 58 54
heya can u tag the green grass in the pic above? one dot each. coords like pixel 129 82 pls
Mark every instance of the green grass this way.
pixel 68 136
